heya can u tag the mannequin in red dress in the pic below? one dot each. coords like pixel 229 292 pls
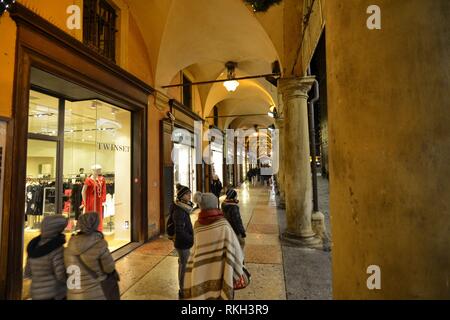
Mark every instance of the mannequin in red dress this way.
pixel 94 194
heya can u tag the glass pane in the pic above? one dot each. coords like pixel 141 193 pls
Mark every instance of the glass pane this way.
pixel 97 159
pixel 40 193
pixel 193 172
pixel 217 164
pixel 182 164
pixel 43 114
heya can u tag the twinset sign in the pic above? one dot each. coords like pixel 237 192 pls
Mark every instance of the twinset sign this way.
pixel 113 147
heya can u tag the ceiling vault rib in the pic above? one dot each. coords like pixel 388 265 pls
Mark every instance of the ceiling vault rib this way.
pixel 238 115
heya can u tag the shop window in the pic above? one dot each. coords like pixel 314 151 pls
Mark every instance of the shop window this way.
pixel 85 166
pixel 187 92
pixel 217 160
pixel 99 27
pixel 97 141
pixel 184 169
pixel 43 114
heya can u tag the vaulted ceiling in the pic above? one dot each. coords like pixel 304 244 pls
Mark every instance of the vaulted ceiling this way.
pixel 200 36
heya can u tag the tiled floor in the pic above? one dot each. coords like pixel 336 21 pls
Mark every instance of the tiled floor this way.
pixel 150 272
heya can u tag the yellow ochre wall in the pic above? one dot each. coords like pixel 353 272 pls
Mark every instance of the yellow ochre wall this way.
pixel 7 59
pixel 389 119
pixel 136 62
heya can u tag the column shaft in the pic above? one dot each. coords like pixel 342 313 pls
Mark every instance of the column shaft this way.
pixel 297 178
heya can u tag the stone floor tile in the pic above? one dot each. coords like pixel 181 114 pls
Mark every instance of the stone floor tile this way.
pixel 255 253
pixel 133 267
pixel 159 284
pixel 267 283
pixel 263 228
pixel 160 247
pixel 262 239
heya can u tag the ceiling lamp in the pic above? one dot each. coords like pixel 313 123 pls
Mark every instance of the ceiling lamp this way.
pixel 231 85
pixel 262 5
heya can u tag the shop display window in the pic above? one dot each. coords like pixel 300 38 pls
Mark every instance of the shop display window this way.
pixel 97 166
pixel 184 160
pixel 82 167
pixel 217 160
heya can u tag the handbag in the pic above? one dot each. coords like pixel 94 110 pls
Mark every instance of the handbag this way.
pixel 243 281
pixel 110 286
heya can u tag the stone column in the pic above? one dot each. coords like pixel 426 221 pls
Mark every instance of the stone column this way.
pixel 297 180
pixel 281 154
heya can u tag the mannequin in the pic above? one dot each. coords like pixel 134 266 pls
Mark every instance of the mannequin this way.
pixel 94 194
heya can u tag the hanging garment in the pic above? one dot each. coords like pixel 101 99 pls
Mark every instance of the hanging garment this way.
pixel 110 188
pixel 77 199
pixel 95 197
pixel 34 200
pixel 109 206
pixel 67 203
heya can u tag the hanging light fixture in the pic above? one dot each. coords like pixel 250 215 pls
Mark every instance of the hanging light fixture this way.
pixel 231 85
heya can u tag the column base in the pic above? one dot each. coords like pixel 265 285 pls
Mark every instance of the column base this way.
pixel 296 240
pixel 281 202
pixel 318 224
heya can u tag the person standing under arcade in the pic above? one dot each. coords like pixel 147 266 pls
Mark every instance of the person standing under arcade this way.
pixel 94 194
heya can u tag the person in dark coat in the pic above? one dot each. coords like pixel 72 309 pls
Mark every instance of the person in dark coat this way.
pixel 216 186
pixel 45 262
pixel 232 213
pixel 183 231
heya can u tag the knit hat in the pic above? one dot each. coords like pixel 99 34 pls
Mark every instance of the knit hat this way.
pixel 206 200
pixel 182 190
pixel 231 194
pixel 53 225
pixel 88 222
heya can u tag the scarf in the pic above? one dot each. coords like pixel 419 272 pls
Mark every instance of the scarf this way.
pixel 209 216
pixel 35 250
pixel 187 206
pixel 231 201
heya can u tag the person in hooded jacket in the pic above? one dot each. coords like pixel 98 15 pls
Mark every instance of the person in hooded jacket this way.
pixel 230 208
pixel 216 186
pixel 88 250
pixel 45 261
pixel 183 231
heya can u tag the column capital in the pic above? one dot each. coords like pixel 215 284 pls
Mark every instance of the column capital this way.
pixel 279 123
pixel 296 86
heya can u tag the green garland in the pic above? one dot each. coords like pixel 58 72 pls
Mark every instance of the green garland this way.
pixel 5 5
pixel 262 5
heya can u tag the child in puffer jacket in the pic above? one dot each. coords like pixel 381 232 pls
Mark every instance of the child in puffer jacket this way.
pixel 45 261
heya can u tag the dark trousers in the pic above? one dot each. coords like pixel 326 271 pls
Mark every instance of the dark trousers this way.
pixel 183 256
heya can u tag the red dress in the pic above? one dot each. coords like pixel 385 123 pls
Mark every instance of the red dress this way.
pixel 95 197
pixel 68 194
